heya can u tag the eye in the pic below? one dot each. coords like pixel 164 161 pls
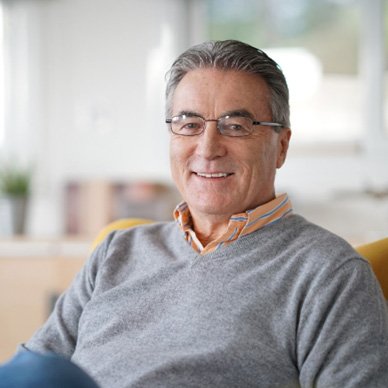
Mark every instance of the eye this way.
pixel 191 125
pixel 236 126
pixel 187 125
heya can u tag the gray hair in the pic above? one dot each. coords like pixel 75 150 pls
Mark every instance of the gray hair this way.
pixel 233 55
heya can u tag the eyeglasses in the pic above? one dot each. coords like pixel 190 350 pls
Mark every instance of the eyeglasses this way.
pixel 234 126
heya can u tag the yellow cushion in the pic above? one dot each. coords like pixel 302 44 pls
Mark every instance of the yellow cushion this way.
pixel 124 223
pixel 377 255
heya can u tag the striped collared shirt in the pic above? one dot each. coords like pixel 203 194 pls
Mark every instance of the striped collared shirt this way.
pixel 239 224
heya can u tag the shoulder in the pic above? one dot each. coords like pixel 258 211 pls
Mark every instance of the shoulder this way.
pixel 143 246
pixel 327 268
pixel 332 267
pixel 139 238
pixel 154 233
pixel 311 240
pixel 312 254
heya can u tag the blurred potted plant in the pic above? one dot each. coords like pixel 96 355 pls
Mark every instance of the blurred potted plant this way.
pixel 14 191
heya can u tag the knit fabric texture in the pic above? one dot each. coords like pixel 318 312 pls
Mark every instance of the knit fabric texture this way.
pixel 289 305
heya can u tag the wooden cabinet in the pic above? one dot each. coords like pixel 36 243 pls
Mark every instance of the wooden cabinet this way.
pixel 32 274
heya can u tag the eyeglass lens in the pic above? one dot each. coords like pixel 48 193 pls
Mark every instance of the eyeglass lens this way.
pixel 228 126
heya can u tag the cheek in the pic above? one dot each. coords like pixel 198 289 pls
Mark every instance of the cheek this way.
pixel 261 161
pixel 174 165
pixel 178 159
pixel 174 148
pixel 173 157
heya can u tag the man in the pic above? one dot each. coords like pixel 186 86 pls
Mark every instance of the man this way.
pixel 239 291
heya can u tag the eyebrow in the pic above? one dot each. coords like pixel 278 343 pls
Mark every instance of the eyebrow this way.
pixel 187 113
pixel 238 113
pixel 232 113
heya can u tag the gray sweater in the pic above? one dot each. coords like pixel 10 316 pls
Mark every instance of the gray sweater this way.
pixel 289 305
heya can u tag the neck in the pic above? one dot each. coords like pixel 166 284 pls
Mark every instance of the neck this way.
pixel 209 228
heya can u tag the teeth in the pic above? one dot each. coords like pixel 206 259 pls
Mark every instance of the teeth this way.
pixel 215 175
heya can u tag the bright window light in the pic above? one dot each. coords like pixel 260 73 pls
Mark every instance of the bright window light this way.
pixel 302 69
pixel 316 43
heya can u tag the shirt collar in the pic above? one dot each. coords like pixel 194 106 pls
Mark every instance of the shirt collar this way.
pixel 239 224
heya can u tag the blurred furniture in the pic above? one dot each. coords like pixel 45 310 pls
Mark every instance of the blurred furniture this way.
pixel 92 204
pixel 33 272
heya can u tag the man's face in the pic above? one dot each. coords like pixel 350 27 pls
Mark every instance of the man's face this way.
pixel 219 175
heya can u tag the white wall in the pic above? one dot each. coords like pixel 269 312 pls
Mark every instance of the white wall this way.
pixel 105 63
pixel 91 101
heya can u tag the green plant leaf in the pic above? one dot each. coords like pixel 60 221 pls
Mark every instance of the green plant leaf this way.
pixel 14 181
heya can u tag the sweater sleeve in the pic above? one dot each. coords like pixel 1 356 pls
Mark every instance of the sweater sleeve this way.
pixel 343 330
pixel 60 331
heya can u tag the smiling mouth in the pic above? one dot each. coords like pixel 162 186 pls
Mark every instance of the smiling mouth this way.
pixel 213 175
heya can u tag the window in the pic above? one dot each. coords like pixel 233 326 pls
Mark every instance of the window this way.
pixel 316 42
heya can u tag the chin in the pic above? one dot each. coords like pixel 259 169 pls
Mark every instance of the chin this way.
pixel 212 208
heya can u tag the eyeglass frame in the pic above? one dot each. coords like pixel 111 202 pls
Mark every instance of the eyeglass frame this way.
pixel 275 126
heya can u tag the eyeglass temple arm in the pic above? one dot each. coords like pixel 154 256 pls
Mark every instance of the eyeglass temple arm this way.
pixel 267 123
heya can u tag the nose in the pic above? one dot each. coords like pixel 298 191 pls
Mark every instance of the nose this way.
pixel 210 143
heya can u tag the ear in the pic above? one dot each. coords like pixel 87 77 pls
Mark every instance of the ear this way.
pixel 283 143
